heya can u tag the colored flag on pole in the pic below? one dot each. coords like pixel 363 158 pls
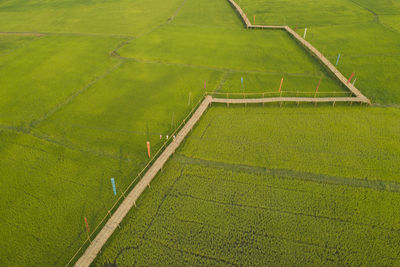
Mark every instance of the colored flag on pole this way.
pixel 87 226
pixel 337 60
pixel 205 84
pixel 113 186
pixel 305 32
pixel 148 148
pixel 280 86
pixel 351 77
pixel 241 79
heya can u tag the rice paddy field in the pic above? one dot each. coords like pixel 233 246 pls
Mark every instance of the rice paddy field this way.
pixel 268 185
pixel 365 32
pixel 84 85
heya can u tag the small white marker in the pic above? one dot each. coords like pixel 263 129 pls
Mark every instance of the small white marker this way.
pixel 305 33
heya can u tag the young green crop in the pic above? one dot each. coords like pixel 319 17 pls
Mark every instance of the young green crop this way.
pixel 366 33
pixel 237 209
pixel 74 112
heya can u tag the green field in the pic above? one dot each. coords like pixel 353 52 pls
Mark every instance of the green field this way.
pixel 365 32
pixel 256 186
pixel 84 85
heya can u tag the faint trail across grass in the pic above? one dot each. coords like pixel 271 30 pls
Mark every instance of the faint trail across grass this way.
pixel 72 97
pixel 291 174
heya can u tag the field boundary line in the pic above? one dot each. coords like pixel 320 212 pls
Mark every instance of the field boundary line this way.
pixel 69 99
pixel 378 185
pixel 95 246
pixel 308 47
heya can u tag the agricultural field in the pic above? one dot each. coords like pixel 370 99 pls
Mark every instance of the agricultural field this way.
pixel 268 185
pixel 365 32
pixel 84 85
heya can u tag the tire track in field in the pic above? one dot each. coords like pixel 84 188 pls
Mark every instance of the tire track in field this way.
pixel 252 184
pixel 221 83
pixel 73 96
pixel 378 185
pixel 286 212
pixel 56 141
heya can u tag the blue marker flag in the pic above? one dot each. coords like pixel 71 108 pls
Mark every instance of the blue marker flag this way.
pixel 241 80
pixel 113 185
pixel 337 61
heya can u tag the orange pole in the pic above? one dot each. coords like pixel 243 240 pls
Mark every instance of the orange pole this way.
pixel 280 86
pixel 351 77
pixel 148 149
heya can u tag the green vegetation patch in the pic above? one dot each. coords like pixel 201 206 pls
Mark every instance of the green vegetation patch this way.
pixel 272 54
pixel 238 204
pixel 303 13
pixel 41 75
pixel 9 43
pixel 352 142
pixel 47 191
pixel 113 17
pixel 366 33
pixel 134 104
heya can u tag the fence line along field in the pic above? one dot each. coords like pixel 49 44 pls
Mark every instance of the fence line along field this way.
pixel 261 185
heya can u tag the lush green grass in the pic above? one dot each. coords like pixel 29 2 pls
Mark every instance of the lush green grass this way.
pixel 303 13
pixel 9 43
pixel 43 73
pixel 257 186
pixel 354 143
pixel 47 190
pixel 73 114
pixel 134 104
pixel 365 32
pixel 98 17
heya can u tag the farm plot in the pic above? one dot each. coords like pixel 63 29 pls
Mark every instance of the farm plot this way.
pixel 116 17
pixel 249 208
pixel 263 57
pixel 366 34
pixel 47 190
pixel 136 103
pixel 73 114
pixel 41 73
